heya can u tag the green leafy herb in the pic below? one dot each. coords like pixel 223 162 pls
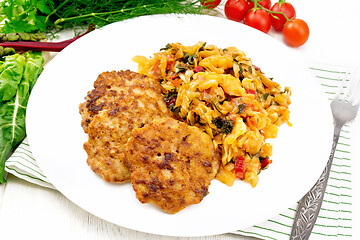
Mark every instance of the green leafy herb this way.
pixel 71 13
pixel 13 110
pixel 223 124
pixel 190 58
pixel 32 16
pixel 241 108
pixel 265 96
pixel 23 15
pixel 241 70
pixel 167 47
pixel 170 100
pixel 202 48
pixel 181 67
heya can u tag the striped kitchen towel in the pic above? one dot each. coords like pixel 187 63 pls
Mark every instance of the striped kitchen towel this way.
pixel 23 165
pixel 335 218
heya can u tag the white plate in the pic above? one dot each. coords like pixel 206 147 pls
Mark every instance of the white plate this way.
pixel 56 137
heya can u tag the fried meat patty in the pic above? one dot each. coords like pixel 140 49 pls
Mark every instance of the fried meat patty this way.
pixel 171 164
pixel 112 87
pixel 120 102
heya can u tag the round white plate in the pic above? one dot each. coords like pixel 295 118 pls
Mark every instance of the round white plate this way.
pixel 56 137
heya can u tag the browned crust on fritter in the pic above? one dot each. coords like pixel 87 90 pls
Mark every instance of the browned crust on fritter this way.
pixel 120 102
pixel 171 164
pixel 105 149
pixel 111 87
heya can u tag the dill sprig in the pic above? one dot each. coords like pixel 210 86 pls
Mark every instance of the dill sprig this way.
pixel 47 15
pixel 72 13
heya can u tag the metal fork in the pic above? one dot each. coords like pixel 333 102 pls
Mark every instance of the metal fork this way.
pixel 344 109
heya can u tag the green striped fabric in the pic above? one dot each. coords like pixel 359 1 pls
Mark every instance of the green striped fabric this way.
pixel 335 218
pixel 23 165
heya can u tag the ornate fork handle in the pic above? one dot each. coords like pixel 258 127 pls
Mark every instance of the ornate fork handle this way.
pixel 309 206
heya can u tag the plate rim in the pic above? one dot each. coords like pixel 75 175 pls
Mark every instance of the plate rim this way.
pixel 124 22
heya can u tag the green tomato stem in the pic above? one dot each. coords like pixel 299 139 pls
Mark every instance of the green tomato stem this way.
pixel 256 5
pixel 273 12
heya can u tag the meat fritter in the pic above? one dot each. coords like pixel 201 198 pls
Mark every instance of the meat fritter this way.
pixel 171 164
pixel 111 87
pixel 120 102
pixel 105 148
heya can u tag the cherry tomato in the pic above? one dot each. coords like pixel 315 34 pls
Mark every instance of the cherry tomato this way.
pixel 259 19
pixel 265 3
pixel 279 22
pixel 210 3
pixel 296 32
pixel 236 10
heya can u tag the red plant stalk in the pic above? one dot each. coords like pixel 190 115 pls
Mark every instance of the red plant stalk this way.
pixel 41 46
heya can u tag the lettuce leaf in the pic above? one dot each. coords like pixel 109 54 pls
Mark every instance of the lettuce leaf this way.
pixel 13 111
pixel 11 72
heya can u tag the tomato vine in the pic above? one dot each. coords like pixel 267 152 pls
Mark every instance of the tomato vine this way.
pixel 281 16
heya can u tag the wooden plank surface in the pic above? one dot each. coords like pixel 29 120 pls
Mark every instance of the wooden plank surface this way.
pixel 28 211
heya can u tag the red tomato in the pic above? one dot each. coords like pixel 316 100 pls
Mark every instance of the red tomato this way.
pixel 236 10
pixel 296 32
pixel 259 19
pixel 265 3
pixel 210 3
pixel 240 167
pixel 198 69
pixel 250 91
pixel 170 62
pixel 279 22
pixel 265 162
